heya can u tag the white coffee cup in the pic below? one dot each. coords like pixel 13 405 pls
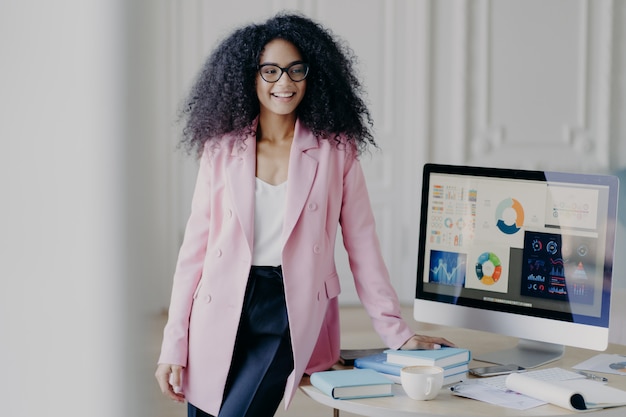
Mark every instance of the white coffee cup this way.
pixel 421 382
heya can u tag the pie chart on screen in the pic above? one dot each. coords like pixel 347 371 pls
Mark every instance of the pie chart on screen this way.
pixel 509 216
pixel 488 268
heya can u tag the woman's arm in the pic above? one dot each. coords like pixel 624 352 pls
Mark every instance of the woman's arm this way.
pixel 188 270
pixel 170 381
pixel 370 273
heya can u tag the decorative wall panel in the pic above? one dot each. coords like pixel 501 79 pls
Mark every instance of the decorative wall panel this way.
pixel 534 89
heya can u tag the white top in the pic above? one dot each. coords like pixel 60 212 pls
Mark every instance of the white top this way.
pixel 269 212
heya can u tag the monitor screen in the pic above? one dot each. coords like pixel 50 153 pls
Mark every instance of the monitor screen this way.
pixel 522 253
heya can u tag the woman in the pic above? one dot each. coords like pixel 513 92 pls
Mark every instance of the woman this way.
pixel 277 118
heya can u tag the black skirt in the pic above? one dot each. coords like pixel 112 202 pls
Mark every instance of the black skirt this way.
pixel 263 359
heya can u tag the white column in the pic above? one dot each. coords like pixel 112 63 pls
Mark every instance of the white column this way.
pixel 61 224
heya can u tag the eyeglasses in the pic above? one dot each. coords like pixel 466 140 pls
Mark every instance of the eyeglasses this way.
pixel 271 73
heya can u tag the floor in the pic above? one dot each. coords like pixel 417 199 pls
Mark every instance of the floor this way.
pixel 357 332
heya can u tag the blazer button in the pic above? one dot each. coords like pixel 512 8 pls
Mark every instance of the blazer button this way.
pixel 218 253
pixel 312 206
pixel 317 249
pixel 207 299
pixel 229 213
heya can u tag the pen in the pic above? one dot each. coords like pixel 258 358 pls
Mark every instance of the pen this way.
pixel 593 376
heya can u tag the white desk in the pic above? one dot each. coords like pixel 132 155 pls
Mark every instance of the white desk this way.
pixel 446 404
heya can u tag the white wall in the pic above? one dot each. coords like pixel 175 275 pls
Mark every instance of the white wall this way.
pixel 61 234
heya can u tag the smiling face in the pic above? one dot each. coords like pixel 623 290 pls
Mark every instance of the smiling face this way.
pixel 283 96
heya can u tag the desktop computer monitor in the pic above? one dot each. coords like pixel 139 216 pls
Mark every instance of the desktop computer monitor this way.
pixel 521 253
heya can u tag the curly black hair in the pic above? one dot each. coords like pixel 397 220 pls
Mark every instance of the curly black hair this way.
pixel 223 98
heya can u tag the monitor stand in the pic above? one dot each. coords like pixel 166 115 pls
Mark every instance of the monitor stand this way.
pixel 527 353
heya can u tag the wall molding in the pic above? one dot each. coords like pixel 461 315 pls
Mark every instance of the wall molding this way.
pixel 586 137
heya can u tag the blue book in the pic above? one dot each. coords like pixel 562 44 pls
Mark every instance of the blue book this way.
pixel 378 362
pixel 352 383
pixel 444 357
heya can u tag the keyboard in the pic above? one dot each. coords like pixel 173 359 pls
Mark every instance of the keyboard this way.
pixel 548 374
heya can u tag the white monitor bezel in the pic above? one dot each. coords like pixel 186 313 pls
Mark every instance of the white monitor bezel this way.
pixel 591 335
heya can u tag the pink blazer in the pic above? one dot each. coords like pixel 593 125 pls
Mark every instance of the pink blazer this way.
pixel 326 187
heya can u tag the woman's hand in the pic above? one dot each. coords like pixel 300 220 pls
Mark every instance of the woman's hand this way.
pixel 169 378
pixel 425 342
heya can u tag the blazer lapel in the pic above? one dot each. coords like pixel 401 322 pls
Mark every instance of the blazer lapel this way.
pixel 301 175
pixel 241 171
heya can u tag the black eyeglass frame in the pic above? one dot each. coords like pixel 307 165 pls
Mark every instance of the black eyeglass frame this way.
pixel 284 71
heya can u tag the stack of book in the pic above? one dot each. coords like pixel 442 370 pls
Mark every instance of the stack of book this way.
pixel 454 361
